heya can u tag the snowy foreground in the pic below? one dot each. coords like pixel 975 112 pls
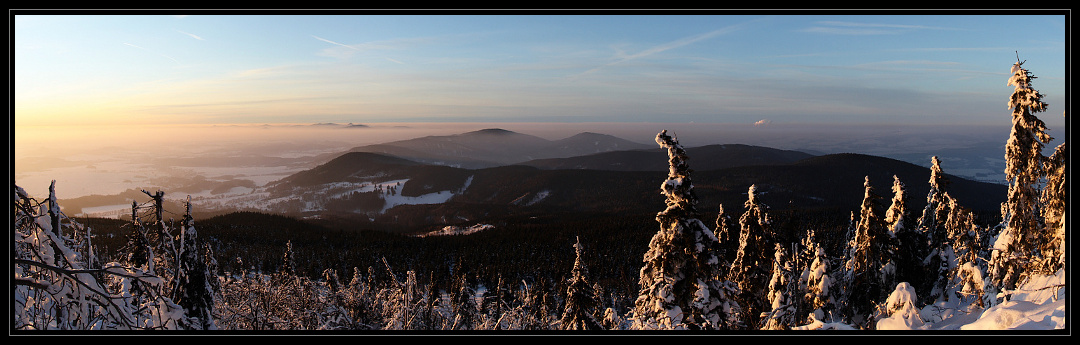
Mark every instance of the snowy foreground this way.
pixel 1039 305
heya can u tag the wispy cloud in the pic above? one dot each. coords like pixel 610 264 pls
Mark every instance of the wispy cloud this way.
pixel 335 43
pixel 666 46
pixel 853 28
pixel 192 35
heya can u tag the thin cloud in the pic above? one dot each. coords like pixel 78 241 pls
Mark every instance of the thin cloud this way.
pixel 853 28
pixel 879 25
pixel 335 43
pixel 667 46
pixel 192 35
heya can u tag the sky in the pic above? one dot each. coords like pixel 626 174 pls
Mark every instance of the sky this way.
pixel 160 68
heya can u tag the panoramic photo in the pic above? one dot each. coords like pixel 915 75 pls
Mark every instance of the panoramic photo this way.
pixel 523 173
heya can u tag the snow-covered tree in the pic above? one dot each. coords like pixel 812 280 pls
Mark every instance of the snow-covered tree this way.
pixel 783 293
pixel 727 233
pixel 935 253
pixel 751 270
pixel 195 288
pixel 288 267
pixel 357 299
pixel 900 310
pixel 581 300
pixel 403 302
pixel 1054 208
pixel 55 286
pixel 1019 241
pixel 868 268
pixel 909 247
pixel 680 286
pixel 820 291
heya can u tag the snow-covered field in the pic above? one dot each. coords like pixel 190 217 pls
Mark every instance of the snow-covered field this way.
pixel 1039 305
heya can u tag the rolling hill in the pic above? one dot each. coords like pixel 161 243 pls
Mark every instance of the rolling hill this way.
pixel 495 147
pixel 437 195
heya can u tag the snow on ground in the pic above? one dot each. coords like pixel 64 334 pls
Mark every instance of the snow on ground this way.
pixel 430 198
pixel 539 196
pixel 1039 305
pixel 457 230
pixel 259 199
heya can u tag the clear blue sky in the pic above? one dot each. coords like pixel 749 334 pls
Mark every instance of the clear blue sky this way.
pixel 782 67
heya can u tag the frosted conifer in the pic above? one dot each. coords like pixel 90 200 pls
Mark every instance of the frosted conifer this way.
pixel 900 310
pixel 782 291
pixel 680 285
pixel 287 265
pixel 868 265
pixel 908 245
pixel 727 234
pixel 1054 209
pixel 934 235
pixel 1017 245
pixel 751 269
pixel 819 288
pixel 581 301
pixel 195 289
pixel 966 271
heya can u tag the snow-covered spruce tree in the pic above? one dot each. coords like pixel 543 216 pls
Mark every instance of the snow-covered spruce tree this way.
pixel 934 252
pixel 1054 209
pixel 868 267
pixel 727 233
pixel 783 293
pixel 909 245
pixel 900 311
pixel 1017 245
pixel 287 265
pixel 195 288
pixel 751 270
pixel 680 286
pixel 965 284
pixel 820 290
pixel 581 300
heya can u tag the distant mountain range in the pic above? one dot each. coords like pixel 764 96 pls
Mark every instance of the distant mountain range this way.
pixel 430 182
pixel 610 181
pixel 710 157
pixel 496 147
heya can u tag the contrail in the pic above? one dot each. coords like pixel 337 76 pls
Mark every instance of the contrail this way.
pixel 192 35
pixel 670 45
pixel 332 42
